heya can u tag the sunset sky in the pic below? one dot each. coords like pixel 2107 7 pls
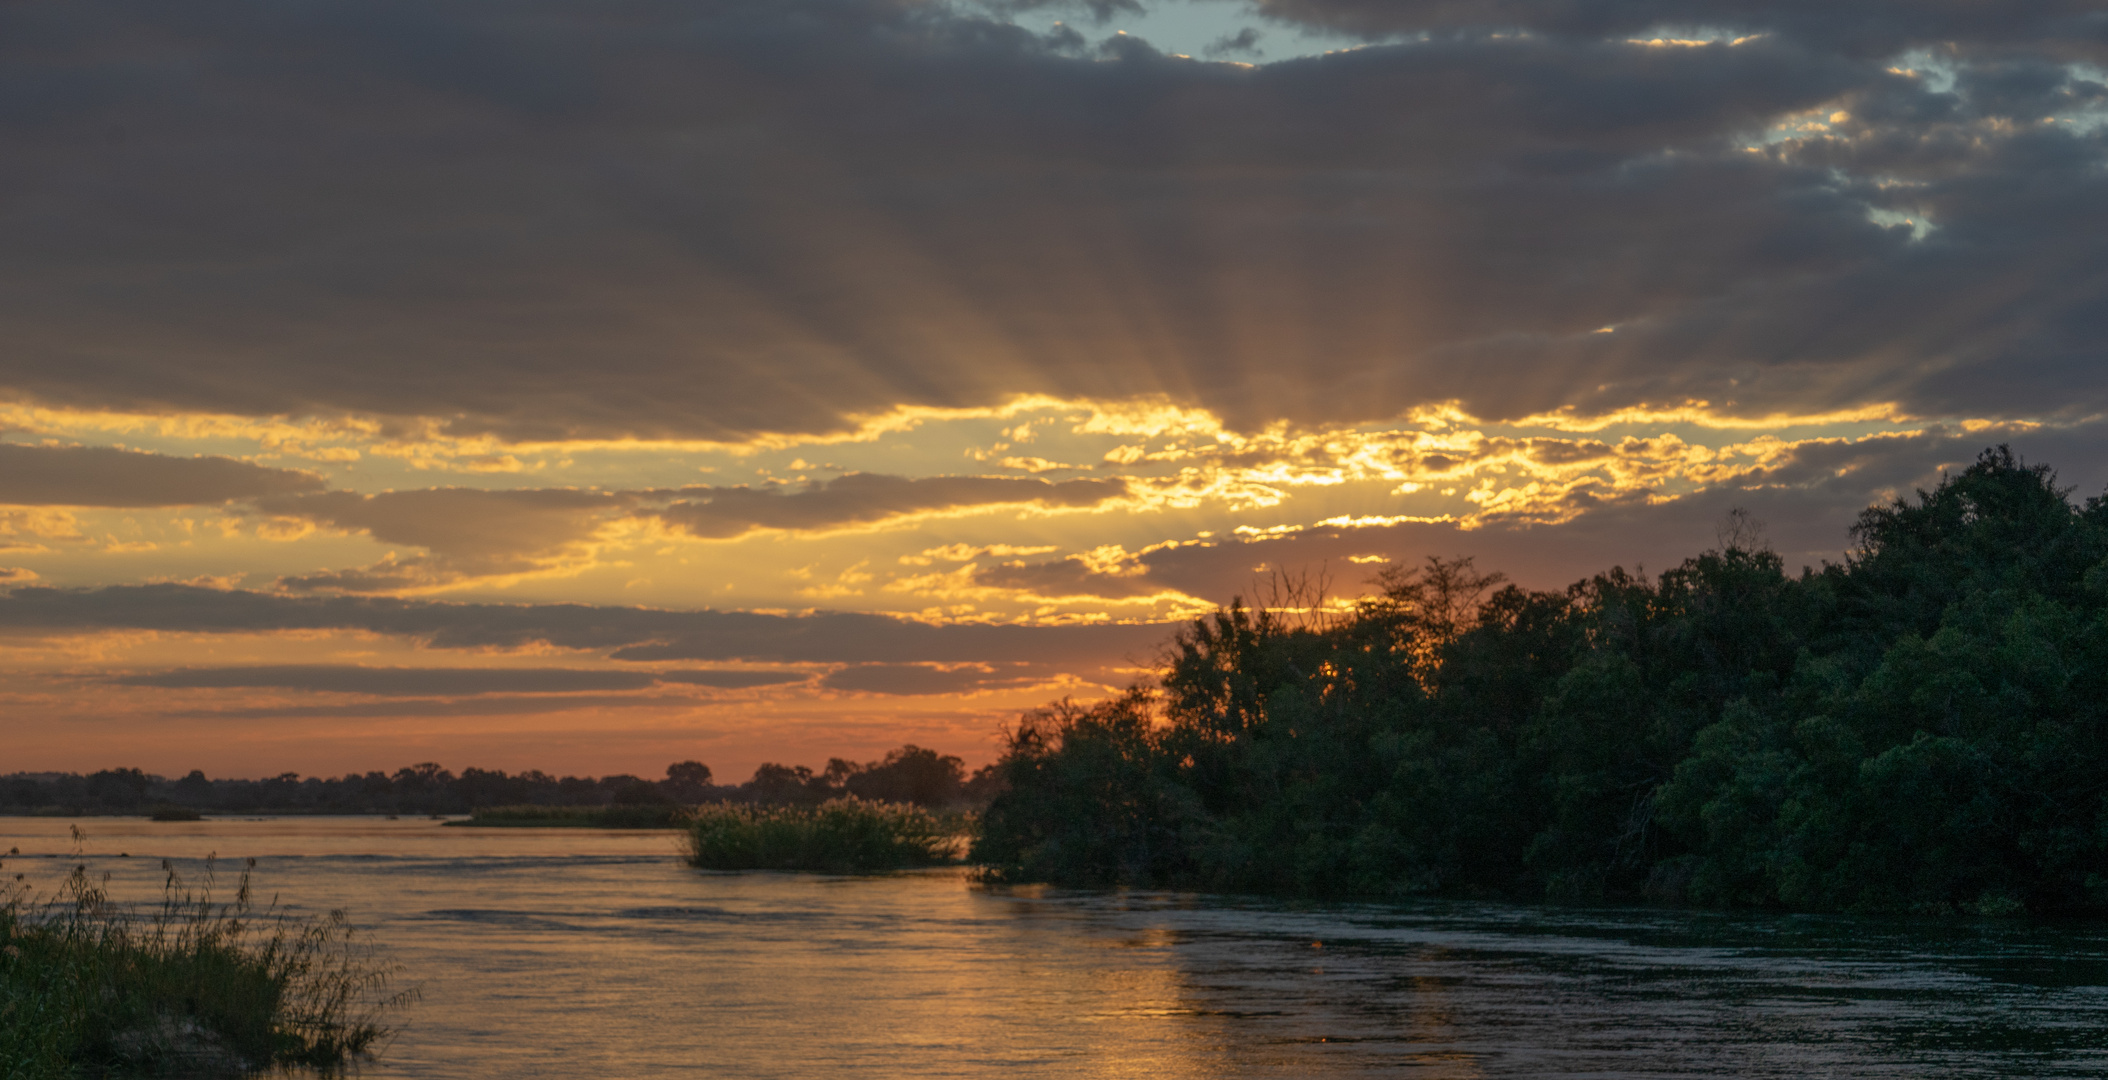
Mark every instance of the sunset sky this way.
pixel 594 384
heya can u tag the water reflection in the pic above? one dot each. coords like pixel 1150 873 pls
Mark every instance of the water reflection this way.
pixel 563 953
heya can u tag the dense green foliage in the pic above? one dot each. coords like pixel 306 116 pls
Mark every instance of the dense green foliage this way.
pixel 1923 727
pixel 841 836
pixel 910 774
pixel 197 988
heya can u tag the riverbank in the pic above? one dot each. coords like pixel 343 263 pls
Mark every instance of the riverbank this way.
pixel 191 986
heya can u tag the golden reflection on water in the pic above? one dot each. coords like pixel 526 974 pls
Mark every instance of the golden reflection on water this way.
pixel 566 953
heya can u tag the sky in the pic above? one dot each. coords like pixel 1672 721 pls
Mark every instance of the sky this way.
pixel 586 385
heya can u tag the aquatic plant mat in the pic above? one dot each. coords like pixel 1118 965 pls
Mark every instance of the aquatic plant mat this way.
pixel 841 836
pixel 191 987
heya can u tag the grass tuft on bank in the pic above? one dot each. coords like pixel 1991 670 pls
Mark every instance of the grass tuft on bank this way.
pixel 841 836
pixel 193 987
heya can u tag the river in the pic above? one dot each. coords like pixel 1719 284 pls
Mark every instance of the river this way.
pixel 574 953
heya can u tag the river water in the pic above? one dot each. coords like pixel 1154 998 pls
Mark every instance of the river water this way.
pixel 576 954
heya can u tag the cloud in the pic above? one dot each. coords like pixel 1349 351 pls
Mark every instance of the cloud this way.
pixel 391 574
pixel 106 476
pixel 418 682
pixel 1810 492
pixel 1070 577
pixel 392 681
pixel 731 680
pixel 468 524
pixel 1244 42
pixel 521 705
pixel 1875 28
pixel 863 498
pixel 630 633
pixel 723 221
pixel 921 680
pixel 470 532
pixel 1098 11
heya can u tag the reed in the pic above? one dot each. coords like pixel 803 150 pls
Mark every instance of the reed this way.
pixel 193 986
pixel 841 836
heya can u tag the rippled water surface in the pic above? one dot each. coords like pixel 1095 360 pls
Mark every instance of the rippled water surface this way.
pixel 573 953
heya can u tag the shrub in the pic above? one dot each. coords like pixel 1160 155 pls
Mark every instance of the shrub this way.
pixel 840 836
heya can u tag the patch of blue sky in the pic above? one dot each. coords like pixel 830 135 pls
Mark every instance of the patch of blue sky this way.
pixel 1229 30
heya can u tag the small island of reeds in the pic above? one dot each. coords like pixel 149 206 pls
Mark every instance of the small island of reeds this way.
pixel 847 835
pixel 193 987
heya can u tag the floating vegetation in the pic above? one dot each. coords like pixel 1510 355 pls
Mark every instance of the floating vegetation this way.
pixel 193 986
pixel 841 836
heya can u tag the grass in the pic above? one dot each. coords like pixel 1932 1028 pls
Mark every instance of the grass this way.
pixel 645 816
pixel 841 836
pixel 193 987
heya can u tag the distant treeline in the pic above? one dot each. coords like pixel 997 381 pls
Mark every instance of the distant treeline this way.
pixel 1922 728
pixel 910 774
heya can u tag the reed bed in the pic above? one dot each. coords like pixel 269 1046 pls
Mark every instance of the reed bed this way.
pixel 841 836
pixel 192 987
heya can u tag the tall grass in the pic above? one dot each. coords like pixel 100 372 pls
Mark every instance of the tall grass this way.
pixel 193 986
pixel 841 836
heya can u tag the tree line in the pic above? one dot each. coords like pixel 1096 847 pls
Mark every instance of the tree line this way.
pixel 1922 727
pixel 909 774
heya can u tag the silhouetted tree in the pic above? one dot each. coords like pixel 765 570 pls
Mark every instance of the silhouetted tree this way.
pixel 1922 727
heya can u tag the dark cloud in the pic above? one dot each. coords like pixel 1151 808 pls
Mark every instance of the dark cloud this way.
pixel 877 638
pixel 861 498
pixel 716 220
pixel 390 575
pixel 1068 577
pixel 107 476
pixel 1243 43
pixel 913 680
pixel 635 634
pixel 731 680
pixel 469 524
pixel 1866 27
pixel 417 682
pixel 1098 11
pixel 392 681
pixel 523 705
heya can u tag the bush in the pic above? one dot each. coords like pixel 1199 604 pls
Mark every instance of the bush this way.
pixel 840 836
pixel 196 987
pixel 1088 801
